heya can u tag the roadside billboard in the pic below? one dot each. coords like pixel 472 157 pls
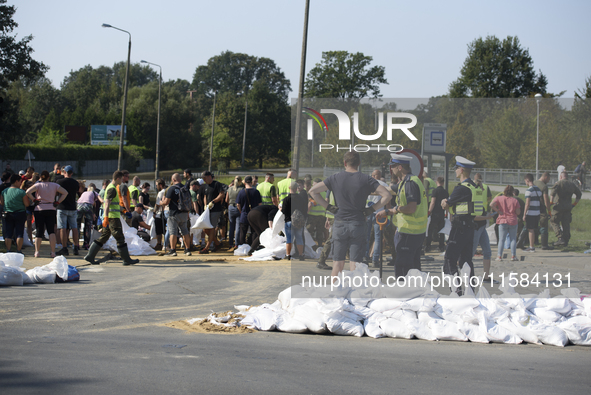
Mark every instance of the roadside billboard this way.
pixel 107 135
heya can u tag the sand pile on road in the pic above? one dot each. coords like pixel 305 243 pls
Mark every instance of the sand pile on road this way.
pixel 222 323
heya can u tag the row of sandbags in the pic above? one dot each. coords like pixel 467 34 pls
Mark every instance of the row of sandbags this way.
pixel 418 312
pixel 11 272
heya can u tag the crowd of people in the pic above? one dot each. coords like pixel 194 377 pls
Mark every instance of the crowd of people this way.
pixel 347 213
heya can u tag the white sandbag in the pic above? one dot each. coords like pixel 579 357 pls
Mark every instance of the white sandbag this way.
pixel 203 221
pixel 385 304
pixel 473 332
pixel 421 330
pixel 312 318
pixel 578 330
pixel 27 279
pixel 522 331
pixel 445 330
pixel 496 333
pixel 401 315
pixel 13 259
pixel 10 275
pixel 446 228
pixel 60 266
pixel 397 329
pixel 426 316
pixel 242 250
pixel 262 319
pixel 372 326
pixel 420 304
pixel 278 223
pixel 286 323
pixel 42 275
pixel 457 305
pixel 546 315
pixel 549 334
pixel 492 236
pixel 340 324
pixel 559 304
pixel 26 241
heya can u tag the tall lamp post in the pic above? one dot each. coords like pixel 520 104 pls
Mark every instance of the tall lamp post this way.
pixel 538 100
pixel 156 168
pixel 244 134
pixel 124 95
pixel 212 128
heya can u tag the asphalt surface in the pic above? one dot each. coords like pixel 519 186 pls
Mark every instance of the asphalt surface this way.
pixel 106 334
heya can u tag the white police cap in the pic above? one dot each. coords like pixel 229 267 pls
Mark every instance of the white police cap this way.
pixel 400 159
pixel 463 162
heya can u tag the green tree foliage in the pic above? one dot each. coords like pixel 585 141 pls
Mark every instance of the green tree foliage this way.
pixel 237 72
pixel 15 56
pixel 345 75
pixel 497 69
pixel 460 139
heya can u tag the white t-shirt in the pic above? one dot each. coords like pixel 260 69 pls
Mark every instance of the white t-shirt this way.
pixel 159 198
pixel 560 169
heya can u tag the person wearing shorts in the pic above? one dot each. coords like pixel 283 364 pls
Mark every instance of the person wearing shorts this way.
pixel 46 204
pixel 211 194
pixel 15 201
pixel 67 211
pixel 350 188
pixel 177 219
pixel 531 216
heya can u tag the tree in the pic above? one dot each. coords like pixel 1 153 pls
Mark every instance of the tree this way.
pixel 15 56
pixel 460 139
pixel 345 75
pixel 237 72
pixel 497 69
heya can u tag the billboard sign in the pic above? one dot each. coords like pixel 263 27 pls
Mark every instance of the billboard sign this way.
pixel 107 135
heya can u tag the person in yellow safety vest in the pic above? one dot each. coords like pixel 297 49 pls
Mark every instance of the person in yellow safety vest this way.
pixel 283 185
pixel 411 216
pixel 111 224
pixel 480 224
pixel 123 192
pixel 268 191
pixel 429 185
pixel 464 203
pixel 134 193
pixel 316 218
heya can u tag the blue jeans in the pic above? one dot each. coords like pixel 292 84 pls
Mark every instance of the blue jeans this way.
pixel 512 231
pixel 481 237
pixel 234 215
pixel 167 234
pixel 298 234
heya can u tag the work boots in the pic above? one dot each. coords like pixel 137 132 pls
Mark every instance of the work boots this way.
pixel 92 251
pixel 124 252
pixel 544 240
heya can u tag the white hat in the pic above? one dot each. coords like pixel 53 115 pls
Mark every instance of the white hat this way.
pixel 200 181
pixel 463 162
pixel 400 159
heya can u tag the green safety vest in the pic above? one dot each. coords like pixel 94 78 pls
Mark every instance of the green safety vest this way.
pixel 474 207
pixel 318 210
pixel 283 188
pixel 264 189
pixel 132 189
pixel 331 201
pixel 485 197
pixel 415 223
pixel 431 186
pixel 114 207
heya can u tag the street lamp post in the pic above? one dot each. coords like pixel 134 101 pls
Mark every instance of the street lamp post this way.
pixel 244 135
pixel 156 168
pixel 212 128
pixel 124 95
pixel 538 100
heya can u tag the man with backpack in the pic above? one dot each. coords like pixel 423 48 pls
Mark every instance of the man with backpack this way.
pixel 211 194
pixel 178 200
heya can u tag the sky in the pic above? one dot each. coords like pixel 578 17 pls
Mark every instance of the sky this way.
pixel 421 44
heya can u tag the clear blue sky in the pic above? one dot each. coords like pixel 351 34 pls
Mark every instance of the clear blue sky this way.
pixel 422 44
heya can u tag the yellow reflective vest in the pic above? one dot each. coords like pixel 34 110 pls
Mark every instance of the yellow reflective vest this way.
pixel 283 188
pixel 264 189
pixel 415 223
pixel 473 207
pixel 318 210
pixel 114 207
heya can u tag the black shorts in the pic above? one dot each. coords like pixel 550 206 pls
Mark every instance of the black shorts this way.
pixel 158 222
pixel 532 221
pixel 45 220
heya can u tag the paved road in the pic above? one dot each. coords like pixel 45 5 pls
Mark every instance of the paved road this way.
pixel 106 334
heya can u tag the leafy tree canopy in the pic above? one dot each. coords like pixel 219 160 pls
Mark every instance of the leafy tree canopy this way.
pixel 497 69
pixel 345 75
pixel 15 56
pixel 237 72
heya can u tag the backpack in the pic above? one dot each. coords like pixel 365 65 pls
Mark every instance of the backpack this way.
pixel 185 203
pixel 298 220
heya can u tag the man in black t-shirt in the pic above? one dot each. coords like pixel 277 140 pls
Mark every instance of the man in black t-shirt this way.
pixel 211 194
pixel 67 213
pixel 177 219
pixel 260 218
pixel 437 215
pixel 247 198
pixel 137 220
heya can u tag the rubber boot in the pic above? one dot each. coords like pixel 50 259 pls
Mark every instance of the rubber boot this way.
pixel 544 239
pixel 124 252
pixel 92 251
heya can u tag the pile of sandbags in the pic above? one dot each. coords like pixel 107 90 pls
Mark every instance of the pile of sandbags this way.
pixel 135 244
pixel 418 312
pixel 11 272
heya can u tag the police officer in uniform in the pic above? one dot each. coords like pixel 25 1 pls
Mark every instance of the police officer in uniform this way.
pixel 466 202
pixel 411 216
pixel 112 225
